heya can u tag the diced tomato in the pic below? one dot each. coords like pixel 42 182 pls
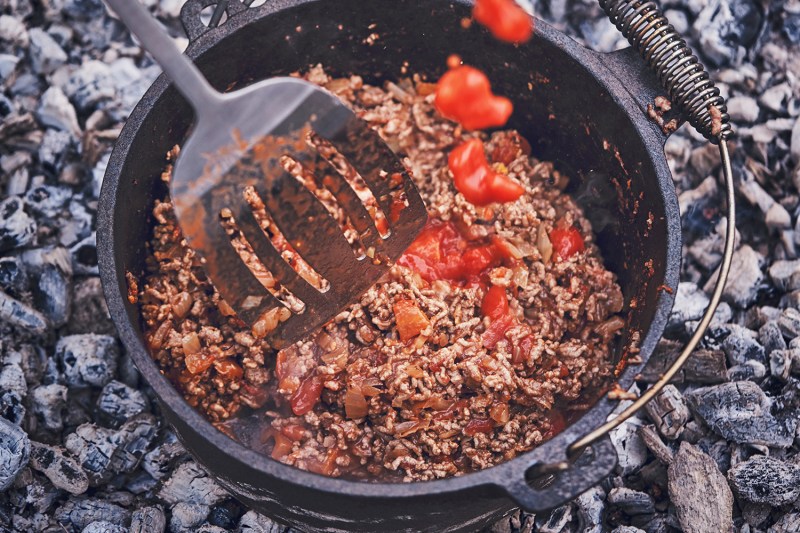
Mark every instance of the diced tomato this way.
pixel 411 321
pixel 496 332
pixel 566 242
pixel 307 395
pixel 441 252
pixel 495 303
pixel 476 180
pixel 505 19
pixel 522 351
pixel 464 94
pixel 478 425
pixel 398 204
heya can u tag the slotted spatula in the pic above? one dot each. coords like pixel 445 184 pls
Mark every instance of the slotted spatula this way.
pixel 237 142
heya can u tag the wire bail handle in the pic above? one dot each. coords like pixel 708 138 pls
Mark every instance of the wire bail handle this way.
pixel 694 94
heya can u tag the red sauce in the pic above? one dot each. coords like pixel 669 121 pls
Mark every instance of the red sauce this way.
pixel 505 19
pixel 464 94
pixel 478 425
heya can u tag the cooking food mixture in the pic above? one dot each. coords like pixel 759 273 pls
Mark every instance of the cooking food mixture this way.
pixel 484 339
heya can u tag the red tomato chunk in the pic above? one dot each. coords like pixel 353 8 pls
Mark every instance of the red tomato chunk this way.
pixel 464 94
pixel 476 180
pixel 505 19
pixel 566 242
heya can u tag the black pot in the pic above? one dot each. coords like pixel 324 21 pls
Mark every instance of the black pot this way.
pixel 583 110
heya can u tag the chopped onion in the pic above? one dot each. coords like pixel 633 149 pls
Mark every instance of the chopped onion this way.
pixel 404 429
pixel 191 343
pixel 355 405
pixel 543 244
pixel 414 371
pixel 520 277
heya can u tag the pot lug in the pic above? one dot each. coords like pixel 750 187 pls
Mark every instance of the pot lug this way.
pixel 637 80
pixel 190 14
pixel 547 486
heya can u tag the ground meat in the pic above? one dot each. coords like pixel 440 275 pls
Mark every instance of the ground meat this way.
pixel 357 399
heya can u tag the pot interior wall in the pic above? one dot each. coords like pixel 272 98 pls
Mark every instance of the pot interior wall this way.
pixel 567 116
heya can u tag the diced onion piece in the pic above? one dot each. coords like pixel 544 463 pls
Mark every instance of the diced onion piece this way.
pixel 543 244
pixel 369 391
pixel 610 326
pixel 520 277
pixel 198 362
pixel 499 413
pixel 191 343
pixel 283 446
pixel 414 371
pixel 181 304
pixel 404 429
pixel 355 405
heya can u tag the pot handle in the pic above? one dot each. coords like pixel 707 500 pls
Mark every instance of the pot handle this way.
pixel 692 93
pixel 190 14
pixel 563 481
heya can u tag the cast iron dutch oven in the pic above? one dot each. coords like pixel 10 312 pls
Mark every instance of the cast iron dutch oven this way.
pixel 583 110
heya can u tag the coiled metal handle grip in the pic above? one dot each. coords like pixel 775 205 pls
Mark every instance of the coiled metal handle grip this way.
pixel 687 83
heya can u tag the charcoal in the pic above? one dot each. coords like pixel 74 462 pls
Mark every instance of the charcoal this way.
pixel 627 529
pixel 703 501
pixel 12 407
pixel 766 480
pixel 741 346
pixel 140 482
pixel 89 85
pixel 149 519
pixel 8 64
pixel 52 295
pixel 210 528
pixel 84 256
pixel 103 526
pixel 13 31
pixel 630 448
pixel 742 288
pixel 187 516
pixel 118 403
pixel 703 366
pixel 690 304
pixel 158 463
pixel 17 228
pixel 789 322
pixel 56 111
pixel 654 443
pixel 783 362
pixel 590 510
pixel 134 438
pixel 252 522
pixel 89 309
pixel 632 502
pixel 15 448
pixel 12 377
pixel 62 470
pixel 785 274
pixel 771 338
pixel 33 360
pixel 788 523
pixel 82 512
pixel 743 109
pixel 226 515
pixel 47 404
pixel 740 412
pixel 755 514
pixel 88 360
pixel 749 371
pixel 669 412
pixel 94 447
pixel 14 279
pixel 190 483
pixel 54 148
pixel 46 54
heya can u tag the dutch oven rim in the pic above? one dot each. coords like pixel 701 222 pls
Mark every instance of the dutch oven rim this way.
pixel 501 475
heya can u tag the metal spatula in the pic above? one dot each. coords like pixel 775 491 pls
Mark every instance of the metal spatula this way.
pixel 237 143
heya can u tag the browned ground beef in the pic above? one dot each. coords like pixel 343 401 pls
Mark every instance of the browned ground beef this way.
pixel 440 404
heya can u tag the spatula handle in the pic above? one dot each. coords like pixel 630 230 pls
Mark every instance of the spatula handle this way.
pixel 178 67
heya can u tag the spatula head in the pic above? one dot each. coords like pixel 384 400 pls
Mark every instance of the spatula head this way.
pixel 231 180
